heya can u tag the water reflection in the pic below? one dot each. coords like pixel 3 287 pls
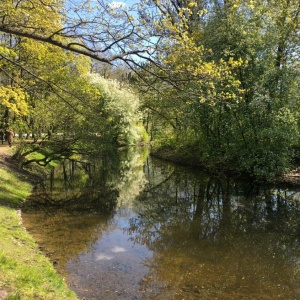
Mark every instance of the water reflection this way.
pixel 220 240
pixel 173 234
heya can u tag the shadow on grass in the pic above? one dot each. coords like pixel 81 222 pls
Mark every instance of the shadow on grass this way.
pixel 15 183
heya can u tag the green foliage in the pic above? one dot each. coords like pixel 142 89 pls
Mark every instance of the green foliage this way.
pixel 120 108
pixel 229 70
pixel 234 93
pixel 271 152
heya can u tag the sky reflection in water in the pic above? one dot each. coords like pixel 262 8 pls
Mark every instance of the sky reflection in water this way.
pixel 176 234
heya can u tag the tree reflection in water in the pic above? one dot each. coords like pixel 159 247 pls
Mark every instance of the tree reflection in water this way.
pixel 165 232
pixel 217 239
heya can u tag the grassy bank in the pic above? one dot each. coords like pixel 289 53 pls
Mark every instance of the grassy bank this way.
pixel 25 273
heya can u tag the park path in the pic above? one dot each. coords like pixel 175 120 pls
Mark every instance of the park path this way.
pixel 4 148
pixel 5 152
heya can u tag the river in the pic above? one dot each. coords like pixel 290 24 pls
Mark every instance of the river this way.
pixel 147 229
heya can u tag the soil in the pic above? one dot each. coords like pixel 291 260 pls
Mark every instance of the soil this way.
pixel 5 156
pixel 7 162
pixel 3 294
pixel 6 159
pixel 4 149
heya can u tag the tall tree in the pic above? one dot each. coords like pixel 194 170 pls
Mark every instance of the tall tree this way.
pixel 234 73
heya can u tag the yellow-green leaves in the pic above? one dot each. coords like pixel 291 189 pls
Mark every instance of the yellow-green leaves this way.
pixel 31 16
pixel 190 61
pixel 14 98
pixel 7 52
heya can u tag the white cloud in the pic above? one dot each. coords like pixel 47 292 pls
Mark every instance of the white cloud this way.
pixel 116 4
pixel 103 256
pixel 118 249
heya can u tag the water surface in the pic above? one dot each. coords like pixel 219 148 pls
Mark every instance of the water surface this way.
pixel 145 229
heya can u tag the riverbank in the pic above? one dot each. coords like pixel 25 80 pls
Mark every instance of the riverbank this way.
pixel 188 159
pixel 25 273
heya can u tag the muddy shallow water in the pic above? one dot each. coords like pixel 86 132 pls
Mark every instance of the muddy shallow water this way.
pixel 169 233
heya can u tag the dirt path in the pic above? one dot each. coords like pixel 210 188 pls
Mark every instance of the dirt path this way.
pixel 7 162
pixel 4 149
pixel 3 294
pixel 5 155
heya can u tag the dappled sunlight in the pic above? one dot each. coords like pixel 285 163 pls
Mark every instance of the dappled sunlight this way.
pixel 12 189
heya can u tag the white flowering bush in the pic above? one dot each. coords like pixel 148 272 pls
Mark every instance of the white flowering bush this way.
pixel 120 106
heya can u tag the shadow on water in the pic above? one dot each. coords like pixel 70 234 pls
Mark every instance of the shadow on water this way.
pixel 144 229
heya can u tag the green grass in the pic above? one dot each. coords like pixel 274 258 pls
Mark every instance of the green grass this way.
pixel 13 190
pixel 25 273
pixel 39 156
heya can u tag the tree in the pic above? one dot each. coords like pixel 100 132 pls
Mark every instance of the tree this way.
pixel 234 74
pixel 120 108
pixel 43 89
pixel 222 74
pixel 102 31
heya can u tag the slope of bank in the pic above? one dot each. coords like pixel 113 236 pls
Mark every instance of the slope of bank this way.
pixel 25 273
pixel 186 157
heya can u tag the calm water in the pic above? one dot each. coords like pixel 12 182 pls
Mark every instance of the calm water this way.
pixel 143 229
